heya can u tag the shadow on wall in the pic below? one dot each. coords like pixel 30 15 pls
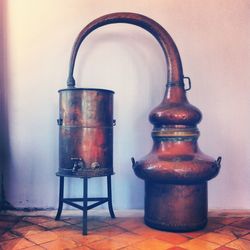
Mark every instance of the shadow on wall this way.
pixel 4 130
pixel 149 82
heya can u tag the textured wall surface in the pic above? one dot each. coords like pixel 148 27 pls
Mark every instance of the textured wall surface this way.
pixel 213 39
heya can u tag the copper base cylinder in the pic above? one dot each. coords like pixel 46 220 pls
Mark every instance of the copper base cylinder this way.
pixel 175 207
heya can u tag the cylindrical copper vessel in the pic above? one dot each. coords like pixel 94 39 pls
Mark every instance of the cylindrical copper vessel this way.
pixel 175 207
pixel 85 132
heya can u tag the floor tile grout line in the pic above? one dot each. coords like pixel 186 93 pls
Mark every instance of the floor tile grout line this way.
pixel 245 239
pixel 133 231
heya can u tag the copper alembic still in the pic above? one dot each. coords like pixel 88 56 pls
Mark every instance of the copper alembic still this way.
pixel 175 171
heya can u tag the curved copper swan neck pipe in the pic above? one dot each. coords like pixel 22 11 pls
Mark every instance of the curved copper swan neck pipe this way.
pixel 174 65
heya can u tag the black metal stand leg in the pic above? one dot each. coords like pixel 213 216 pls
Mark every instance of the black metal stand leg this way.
pixel 111 211
pixel 60 206
pixel 85 207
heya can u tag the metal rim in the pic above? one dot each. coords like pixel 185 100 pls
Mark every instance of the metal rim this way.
pixel 87 89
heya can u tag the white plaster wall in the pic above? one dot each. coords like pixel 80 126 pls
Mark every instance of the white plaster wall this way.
pixel 213 39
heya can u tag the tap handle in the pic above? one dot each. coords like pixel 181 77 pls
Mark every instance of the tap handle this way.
pixel 78 164
pixel 76 159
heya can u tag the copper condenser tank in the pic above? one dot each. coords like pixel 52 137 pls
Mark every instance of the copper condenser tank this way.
pixel 85 132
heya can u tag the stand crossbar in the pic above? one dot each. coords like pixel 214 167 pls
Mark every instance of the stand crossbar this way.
pixel 85 207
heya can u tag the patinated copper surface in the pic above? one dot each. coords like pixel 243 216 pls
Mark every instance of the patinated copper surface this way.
pixel 175 171
pixel 85 132
pixel 175 207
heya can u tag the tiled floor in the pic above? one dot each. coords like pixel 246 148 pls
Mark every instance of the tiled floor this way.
pixel 225 231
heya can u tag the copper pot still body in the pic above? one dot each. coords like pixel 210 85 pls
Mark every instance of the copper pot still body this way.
pixel 175 171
